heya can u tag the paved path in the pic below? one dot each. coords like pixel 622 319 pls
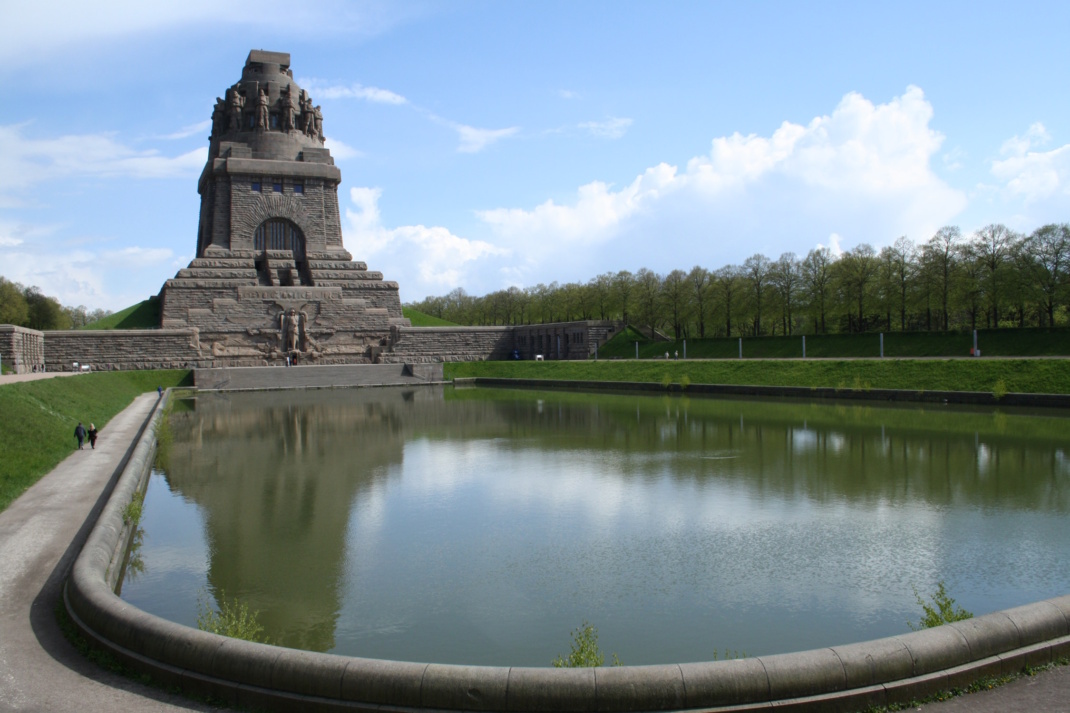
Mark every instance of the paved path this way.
pixel 40 535
pixel 42 532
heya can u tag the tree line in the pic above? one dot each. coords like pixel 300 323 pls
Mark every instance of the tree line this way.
pixel 29 307
pixel 995 277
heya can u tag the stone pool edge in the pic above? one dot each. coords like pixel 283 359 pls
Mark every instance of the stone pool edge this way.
pixel 852 677
pixel 823 393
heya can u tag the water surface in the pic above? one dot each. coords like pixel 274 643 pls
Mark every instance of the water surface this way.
pixel 481 526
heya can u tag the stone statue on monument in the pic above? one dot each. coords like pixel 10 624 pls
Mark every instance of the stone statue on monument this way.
pixel 290 112
pixel 290 326
pixel 262 114
pixel 235 105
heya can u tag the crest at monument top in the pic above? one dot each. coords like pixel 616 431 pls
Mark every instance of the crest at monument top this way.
pixel 267 111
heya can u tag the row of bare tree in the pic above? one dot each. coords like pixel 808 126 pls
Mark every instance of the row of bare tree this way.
pixel 995 277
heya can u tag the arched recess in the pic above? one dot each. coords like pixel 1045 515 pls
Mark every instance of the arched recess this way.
pixel 281 234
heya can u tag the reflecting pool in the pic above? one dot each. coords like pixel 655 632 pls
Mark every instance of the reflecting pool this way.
pixel 481 526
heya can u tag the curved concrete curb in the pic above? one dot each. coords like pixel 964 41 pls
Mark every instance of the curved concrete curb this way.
pixel 856 676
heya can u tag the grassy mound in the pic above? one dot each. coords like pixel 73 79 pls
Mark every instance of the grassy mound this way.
pixel 420 319
pixel 143 315
pixel 40 416
pixel 1036 376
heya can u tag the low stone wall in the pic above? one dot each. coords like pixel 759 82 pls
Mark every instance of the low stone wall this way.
pixel 856 676
pixel 22 349
pixel 415 345
pixel 106 350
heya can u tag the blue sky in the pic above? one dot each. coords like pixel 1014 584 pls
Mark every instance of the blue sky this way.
pixel 489 144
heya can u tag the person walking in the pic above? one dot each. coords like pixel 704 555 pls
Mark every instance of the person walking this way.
pixel 92 436
pixel 79 433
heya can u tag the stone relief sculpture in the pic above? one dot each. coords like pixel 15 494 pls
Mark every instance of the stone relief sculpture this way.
pixel 291 328
pixel 262 114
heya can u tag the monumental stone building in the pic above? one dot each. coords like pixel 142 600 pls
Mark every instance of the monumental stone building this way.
pixel 271 282
pixel 271 278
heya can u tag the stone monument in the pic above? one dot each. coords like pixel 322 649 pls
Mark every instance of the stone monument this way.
pixel 271 278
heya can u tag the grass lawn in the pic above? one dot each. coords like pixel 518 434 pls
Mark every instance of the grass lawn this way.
pixel 420 319
pixel 40 416
pixel 1010 375
pixel 143 315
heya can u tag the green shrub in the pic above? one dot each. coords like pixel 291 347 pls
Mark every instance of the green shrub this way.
pixel 585 652
pixel 941 611
pixel 233 619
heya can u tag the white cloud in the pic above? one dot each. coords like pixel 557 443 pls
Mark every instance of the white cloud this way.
pixel 7 242
pixel 25 160
pixel 1033 175
pixel 187 131
pixel 474 140
pixel 568 94
pixel 861 169
pixel 341 151
pixel 612 128
pixel 352 91
pixel 43 29
pixel 424 259
pixel 136 257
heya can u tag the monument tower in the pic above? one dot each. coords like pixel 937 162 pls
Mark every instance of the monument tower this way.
pixel 271 278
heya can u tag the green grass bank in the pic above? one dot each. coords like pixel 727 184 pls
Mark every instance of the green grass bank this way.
pixel 991 342
pixel 40 416
pixel 1028 376
pixel 422 319
pixel 143 315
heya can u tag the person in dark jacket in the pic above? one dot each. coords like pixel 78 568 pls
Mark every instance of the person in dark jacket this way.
pixel 92 436
pixel 79 433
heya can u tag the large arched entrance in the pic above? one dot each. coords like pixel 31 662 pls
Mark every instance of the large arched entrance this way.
pixel 281 234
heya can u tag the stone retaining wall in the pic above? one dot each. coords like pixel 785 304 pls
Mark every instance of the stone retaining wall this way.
pixel 22 349
pixel 111 349
pixel 415 345
pixel 856 676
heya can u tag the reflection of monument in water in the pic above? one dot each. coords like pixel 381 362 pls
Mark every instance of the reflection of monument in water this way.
pixel 281 471
pixel 271 278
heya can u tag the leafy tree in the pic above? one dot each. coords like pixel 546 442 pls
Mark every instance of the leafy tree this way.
pixel 856 271
pixel 699 281
pixel 785 276
pixel 991 247
pixel 13 307
pixel 45 312
pixel 623 284
pixel 727 281
pixel 1049 246
pixel 675 293
pixel 817 282
pixel 939 261
pixel 898 266
pixel 648 298
pixel 756 273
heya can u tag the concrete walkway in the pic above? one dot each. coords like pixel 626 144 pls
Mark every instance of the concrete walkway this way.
pixel 42 532
pixel 40 535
